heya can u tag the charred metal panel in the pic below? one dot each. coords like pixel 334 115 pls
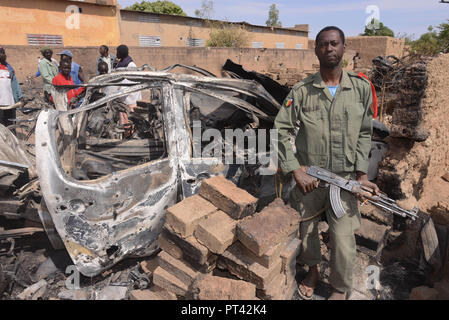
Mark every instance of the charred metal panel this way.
pixel 105 220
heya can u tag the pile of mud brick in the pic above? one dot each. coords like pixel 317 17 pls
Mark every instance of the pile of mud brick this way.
pixel 215 247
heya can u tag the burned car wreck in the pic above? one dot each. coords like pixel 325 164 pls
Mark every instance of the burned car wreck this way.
pixel 105 189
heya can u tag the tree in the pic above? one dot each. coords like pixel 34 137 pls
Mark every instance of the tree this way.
pixel 223 34
pixel 166 7
pixel 433 41
pixel 381 31
pixel 443 36
pixel 273 17
pixel 206 11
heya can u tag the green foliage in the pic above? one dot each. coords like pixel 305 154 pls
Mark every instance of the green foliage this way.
pixel 223 34
pixel 165 7
pixel 273 17
pixel 381 31
pixel 206 11
pixel 432 42
pixel 427 44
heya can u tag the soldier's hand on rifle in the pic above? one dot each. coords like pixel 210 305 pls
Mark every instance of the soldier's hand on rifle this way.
pixel 362 178
pixel 305 182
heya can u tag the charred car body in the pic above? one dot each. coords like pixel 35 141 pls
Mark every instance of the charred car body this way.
pixel 105 194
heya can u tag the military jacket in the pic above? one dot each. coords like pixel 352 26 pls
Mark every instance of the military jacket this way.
pixel 330 132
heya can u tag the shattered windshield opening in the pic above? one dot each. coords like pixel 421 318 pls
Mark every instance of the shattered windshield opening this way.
pixel 112 138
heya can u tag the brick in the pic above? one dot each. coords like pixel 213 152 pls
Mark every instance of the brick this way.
pixel 239 264
pixel 227 197
pixel 193 252
pixel 148 266
pixel 209 287
pixel 178 268
pixel 170 247
pixel 289 254
pixel 184 216
pixel 268 258
pixel 282 287
pixel 271 256
pixel 151 294
pixel 216 232
pixel 166 280
pixel 423 293
pixel 371 235
pixel 267 228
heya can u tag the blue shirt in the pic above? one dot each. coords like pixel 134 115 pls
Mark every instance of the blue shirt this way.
pixel 74 73
pixel 333 90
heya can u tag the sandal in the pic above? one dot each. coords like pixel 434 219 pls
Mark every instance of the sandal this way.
pixel 302 287
pixel 302 294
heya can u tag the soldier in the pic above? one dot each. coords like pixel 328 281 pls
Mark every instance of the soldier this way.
pixel 333 110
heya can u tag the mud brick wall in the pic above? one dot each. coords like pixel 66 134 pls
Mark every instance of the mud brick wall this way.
pixel 418 154
pixel 371 47
pixel 25 58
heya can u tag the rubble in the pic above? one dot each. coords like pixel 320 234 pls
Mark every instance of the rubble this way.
pixel 153 294
pixel 34 292
pixel 423 293
pixel 112 293
pixel 74 294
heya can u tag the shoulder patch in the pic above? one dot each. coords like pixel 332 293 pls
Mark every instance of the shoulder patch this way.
pixel 288 102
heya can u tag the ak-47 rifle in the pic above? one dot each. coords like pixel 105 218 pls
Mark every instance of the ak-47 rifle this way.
pixel 336 183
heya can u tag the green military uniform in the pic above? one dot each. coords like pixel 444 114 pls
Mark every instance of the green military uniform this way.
pixel 333 133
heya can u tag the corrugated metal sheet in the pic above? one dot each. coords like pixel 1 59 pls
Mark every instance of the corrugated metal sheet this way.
pixel 259 30
pixel 44 40
pixel 150 41
pixel 194 23
pixel 191 42
pixel 149 18
pixel 258 45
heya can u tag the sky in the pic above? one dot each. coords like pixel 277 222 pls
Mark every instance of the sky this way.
pixel 411 17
